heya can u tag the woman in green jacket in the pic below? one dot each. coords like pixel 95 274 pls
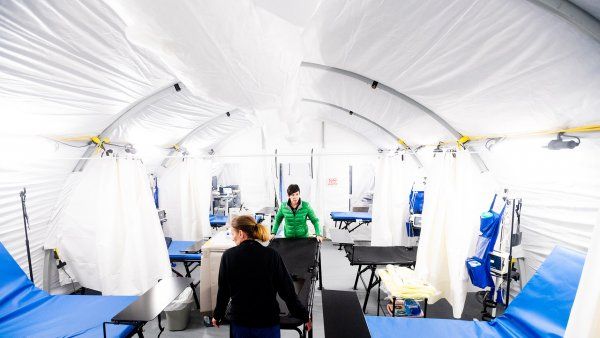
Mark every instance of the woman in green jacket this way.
pixel 295 213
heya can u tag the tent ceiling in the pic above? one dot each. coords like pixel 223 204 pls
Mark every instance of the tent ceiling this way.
pixel 67 68
pixel 590 6
pixel 404 119
pixel 486 67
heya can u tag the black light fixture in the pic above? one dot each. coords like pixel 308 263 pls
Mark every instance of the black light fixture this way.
pixel 561 143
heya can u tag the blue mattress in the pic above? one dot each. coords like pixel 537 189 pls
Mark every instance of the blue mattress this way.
pixel 176 254
pixel 217 220
pixel 542 309
pixel 351 216
pixel 26 311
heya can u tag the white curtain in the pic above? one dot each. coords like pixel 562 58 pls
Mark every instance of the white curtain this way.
pixel 585 313
pixel 185 195
pixel 108 231
pixel 317 192
pixel 393 180
pixel 455 196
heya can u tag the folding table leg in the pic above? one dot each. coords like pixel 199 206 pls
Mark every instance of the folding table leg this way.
pixel 195 295
pixel 357 275
pixel 369 287
pixel 187 269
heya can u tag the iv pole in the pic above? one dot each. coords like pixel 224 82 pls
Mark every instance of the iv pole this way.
pixel 23 195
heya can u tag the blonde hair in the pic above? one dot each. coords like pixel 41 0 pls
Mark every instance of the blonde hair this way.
pixel 248 225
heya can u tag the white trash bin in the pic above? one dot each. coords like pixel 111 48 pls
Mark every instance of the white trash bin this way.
pixel 178 312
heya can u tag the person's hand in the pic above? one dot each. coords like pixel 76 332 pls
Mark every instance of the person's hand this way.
pixel 272 236
pixel 320 239
pixel 309 325
pixel 215 323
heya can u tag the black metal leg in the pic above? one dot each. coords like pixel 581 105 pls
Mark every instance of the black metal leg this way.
pixel 320 272
pixel 161 328
pixel 195 295
pixel 369 287
pixel 140 332
pixel 357 275
pixel 187 269
pixel 378 297
pixel 176 272
pixel 425 308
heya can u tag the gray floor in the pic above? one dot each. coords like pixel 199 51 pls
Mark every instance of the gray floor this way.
pixel 337 275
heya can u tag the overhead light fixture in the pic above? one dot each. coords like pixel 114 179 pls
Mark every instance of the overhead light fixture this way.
pixel 561 143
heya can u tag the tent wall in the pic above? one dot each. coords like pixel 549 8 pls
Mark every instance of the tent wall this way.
pixel 560 192
pixel 31 163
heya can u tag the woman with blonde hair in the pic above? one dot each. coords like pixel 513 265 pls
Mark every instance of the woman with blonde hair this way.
pixel 250 277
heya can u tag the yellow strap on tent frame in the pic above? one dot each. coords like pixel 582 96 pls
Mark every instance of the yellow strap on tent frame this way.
pixel 582 129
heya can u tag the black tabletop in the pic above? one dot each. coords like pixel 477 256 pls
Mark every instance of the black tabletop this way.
pixel 299 254
pixel 382 255
pixel 343 316
pixel 153 301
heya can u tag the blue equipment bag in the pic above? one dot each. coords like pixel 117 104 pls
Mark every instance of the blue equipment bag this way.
pixel 478 266
pixel 416 199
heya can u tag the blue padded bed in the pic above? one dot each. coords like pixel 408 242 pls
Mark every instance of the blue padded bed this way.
pixel 26 311
pixel 345 218
pixel 542 309
pixel 217 221
pixel 177 254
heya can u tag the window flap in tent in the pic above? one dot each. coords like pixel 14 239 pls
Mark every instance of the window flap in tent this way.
pixel 455 195
pixel 108 232
pixel 185 193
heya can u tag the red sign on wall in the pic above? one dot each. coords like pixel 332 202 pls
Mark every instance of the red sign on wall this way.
pixel 332 181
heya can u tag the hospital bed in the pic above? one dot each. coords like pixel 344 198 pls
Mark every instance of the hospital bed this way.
pixel 27 311
pixel 189 254
pixel 542 309
pixel 369 257
pixel 217 221
pixel 302 258
pixel 343 219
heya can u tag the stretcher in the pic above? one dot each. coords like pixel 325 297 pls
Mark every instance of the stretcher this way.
pixel 369 257
pixel 302 258
pixel 542 309
pixel 27 311
pixel 189 254
pixel 343 219
pixel 217 221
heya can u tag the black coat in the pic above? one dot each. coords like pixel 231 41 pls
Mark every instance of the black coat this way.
pixel 252 275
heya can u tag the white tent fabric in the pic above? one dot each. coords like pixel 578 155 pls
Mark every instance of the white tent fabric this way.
pixel 455 195
pixel 560 192
pixel 583 321
pixel 455 58
pixel 70 69
pixel 393 181
pixel 108 231
pixel 185 192
pixel 232 51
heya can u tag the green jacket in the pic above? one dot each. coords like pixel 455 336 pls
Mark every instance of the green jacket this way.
pixel 295 223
